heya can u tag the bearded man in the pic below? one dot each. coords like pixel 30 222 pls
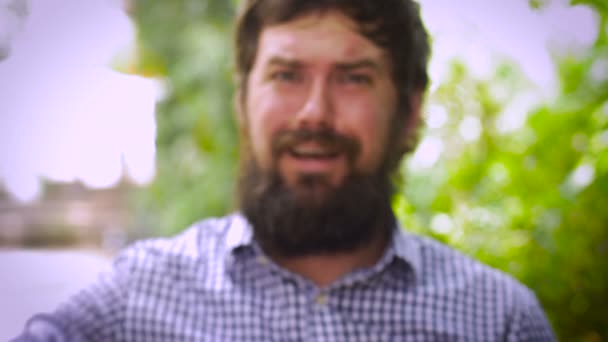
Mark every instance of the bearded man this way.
pixel 329 97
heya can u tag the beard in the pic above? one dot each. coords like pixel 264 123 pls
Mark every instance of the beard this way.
pixel 314 217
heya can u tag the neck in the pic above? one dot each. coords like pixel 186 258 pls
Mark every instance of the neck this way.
pixel 325 269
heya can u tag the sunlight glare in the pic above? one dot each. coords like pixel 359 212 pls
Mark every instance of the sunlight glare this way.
pixel 515 114
pixel 442 224
pixel 427 153
pixel 583 175
pixel 470 128
pixel 437 116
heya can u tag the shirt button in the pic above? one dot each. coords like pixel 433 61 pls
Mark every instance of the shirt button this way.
pixel 262 260
pixel 321 299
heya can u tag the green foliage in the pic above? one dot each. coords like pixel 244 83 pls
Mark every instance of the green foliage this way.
pixel 531 201
pixel 188 42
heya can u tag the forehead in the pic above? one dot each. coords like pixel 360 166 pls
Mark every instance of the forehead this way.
pixel 318 36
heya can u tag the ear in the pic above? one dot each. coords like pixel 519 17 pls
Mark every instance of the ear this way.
pixel 411 124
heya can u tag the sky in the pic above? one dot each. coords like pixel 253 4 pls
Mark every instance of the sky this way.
pixel 66 115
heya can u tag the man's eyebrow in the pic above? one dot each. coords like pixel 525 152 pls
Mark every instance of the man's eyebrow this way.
pixel 283 61
pixel 359 64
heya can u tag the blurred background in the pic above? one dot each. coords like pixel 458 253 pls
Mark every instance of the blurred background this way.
pixel 116 124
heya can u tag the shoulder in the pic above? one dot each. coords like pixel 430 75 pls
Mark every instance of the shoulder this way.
pixel 443 267
pixel 204 240
pixel 438 260
pixel 475 292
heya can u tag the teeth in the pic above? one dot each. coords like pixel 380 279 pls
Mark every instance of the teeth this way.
pixel 308 150
pixel 313 152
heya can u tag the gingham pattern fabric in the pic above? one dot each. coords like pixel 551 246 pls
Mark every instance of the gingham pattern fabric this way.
pixel 213 283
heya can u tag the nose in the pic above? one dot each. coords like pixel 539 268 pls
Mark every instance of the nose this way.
pixel 317 111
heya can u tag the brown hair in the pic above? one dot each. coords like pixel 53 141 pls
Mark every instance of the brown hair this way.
pixel 394 25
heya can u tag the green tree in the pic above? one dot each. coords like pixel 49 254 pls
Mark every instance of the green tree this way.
pixel 189 44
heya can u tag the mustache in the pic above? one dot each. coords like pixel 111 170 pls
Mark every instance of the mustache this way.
pixel 327 138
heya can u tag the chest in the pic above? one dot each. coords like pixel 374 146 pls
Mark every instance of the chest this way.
pixel 278 311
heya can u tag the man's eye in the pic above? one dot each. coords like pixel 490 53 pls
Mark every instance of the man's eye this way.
pixel 285 76
pixel 355 78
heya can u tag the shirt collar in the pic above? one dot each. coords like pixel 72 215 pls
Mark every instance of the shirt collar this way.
pixel 403 245
pixel 239 233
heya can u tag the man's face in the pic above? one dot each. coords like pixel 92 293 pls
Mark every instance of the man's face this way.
pixel 318 74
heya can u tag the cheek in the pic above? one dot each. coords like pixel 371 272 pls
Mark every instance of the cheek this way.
pixel 266 114
pixel 369 123
pixel 374 143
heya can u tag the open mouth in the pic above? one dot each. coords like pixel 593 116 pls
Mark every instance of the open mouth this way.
pixel 312 152
pixel 315 148
pixel 313 158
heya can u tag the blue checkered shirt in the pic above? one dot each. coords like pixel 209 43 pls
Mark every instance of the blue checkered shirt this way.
pixel 213 283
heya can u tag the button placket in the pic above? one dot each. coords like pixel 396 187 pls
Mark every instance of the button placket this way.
pixel 321 298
